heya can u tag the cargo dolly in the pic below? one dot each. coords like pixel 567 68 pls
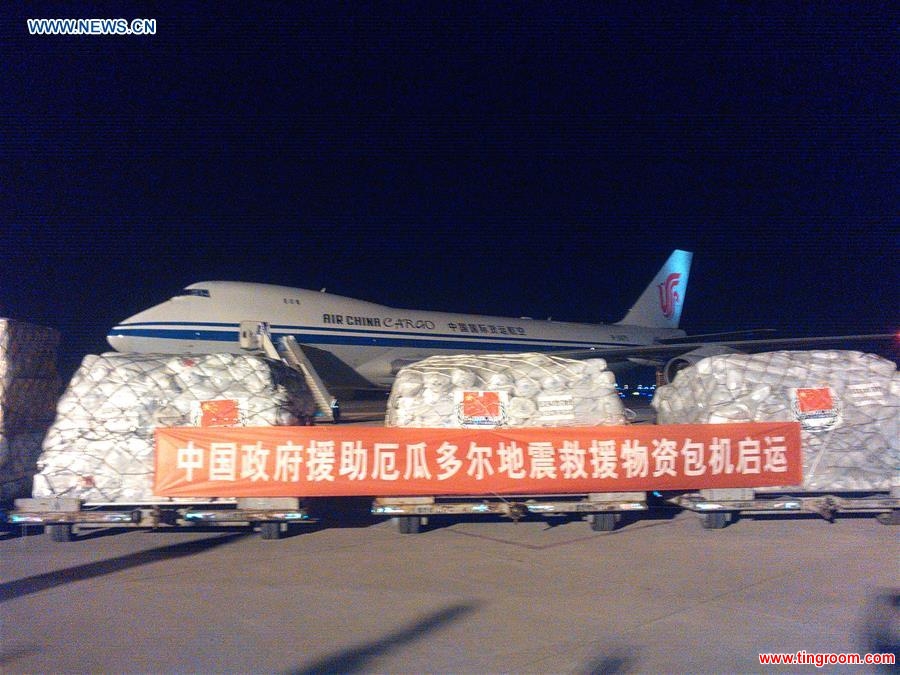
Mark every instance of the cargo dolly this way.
pixel 61 517
pixel 603 510
pixel 719 507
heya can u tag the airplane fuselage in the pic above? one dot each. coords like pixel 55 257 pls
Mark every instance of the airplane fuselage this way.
pixel 374 340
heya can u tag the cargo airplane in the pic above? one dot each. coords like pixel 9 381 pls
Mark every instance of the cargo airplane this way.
pixel 354 344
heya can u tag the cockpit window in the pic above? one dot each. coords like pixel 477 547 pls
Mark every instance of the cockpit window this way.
pixel 199 292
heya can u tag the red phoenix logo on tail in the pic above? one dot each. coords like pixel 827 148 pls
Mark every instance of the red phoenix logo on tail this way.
pixel 668 296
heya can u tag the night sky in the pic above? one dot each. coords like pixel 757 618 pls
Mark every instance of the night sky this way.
pixel 537 159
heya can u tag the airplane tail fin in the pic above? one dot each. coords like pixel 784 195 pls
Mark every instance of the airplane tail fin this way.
pixel 660 304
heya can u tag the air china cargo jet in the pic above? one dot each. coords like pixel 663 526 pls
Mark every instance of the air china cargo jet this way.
pixel 354 344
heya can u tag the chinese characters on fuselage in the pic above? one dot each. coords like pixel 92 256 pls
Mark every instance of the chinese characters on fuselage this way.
pixel 406 323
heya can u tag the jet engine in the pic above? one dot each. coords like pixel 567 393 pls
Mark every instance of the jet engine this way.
pixel 687 359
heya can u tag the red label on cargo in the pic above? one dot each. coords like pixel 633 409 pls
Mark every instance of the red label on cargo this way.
pixel 813 400
pixel 481 404
pixel 220 413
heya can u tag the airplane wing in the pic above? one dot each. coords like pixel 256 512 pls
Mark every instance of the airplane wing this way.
pixel 672 348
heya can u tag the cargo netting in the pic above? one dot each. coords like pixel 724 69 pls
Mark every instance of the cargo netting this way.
pixel 100 446
pixel 521 390
pixel 29 389
pixel 847 403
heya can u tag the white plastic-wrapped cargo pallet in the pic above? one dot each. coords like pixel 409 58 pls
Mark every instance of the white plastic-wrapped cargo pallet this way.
pixel 529 390
pixel 29 388
pixel 100 446
pixel 847 403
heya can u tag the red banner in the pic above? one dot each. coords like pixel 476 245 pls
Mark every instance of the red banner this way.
pixel 382 461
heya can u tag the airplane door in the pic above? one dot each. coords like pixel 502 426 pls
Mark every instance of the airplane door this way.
pixel 251 333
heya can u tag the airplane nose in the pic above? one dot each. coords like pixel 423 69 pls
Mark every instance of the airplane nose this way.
pixel 129 334
pixel 131 340
pixel 117 341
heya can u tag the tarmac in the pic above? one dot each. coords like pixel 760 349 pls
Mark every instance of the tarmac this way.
pixel 352 594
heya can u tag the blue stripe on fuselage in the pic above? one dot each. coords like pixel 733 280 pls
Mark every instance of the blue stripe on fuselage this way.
pixel 312 332
pixel 338 336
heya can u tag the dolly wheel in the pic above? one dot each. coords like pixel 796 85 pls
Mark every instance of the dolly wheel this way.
pixel 714 521
pixel 603 522
pixel 270 529
pixel 60 531
pixel 890 518
pixel 409 524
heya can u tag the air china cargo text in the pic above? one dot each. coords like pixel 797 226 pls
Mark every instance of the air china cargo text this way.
pixel 376 322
